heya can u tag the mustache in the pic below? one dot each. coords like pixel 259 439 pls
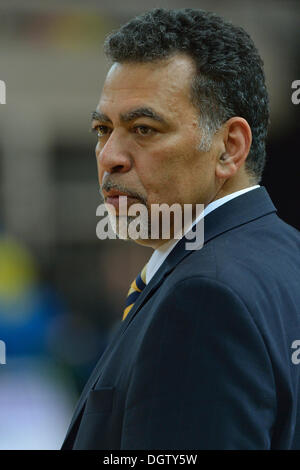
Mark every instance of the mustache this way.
pixel 108 185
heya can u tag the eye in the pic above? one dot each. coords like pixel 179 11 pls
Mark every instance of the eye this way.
pixel 144 130
pixel 101 130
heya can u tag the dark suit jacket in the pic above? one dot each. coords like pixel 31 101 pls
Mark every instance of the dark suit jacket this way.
pixel 204 358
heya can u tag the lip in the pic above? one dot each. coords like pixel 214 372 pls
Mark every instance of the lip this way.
pixel 114 200
pixel 114 193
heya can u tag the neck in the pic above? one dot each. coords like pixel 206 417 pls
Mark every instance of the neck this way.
pixel 232 185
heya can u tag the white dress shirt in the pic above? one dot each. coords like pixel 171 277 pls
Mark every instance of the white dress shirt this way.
pixel 160 254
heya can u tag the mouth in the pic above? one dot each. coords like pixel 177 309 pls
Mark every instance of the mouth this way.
pixel 113 197
pixel 113 193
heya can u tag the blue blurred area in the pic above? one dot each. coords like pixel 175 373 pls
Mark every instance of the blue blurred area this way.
pixel 45 354
pixel 24 324
pixel 27 307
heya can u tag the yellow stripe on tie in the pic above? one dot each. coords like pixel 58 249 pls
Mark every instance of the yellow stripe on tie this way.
pixel 134 291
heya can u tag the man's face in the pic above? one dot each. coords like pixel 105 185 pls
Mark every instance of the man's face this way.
pixel 149 136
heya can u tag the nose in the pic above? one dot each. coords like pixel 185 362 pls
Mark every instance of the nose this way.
pixel 113 156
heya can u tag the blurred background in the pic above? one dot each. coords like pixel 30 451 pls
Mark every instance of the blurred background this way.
pixel 62 290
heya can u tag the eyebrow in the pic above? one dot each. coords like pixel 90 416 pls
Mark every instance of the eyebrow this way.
pixel 131 115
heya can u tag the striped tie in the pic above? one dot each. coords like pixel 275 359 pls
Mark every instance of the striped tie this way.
pixel 135 289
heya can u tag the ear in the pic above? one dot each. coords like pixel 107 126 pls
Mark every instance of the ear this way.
pixel 236 143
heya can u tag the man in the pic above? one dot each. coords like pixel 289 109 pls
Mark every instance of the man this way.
pixel 206 356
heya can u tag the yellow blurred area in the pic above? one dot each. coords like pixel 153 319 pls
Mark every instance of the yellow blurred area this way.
pixel 78 30
pixel 17 269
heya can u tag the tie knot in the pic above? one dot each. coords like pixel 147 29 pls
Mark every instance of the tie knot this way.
pixel 135 289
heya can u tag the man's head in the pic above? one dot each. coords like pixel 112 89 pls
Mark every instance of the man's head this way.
pixel 183 113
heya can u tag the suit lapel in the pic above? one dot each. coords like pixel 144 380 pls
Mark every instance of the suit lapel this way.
pixel 238 211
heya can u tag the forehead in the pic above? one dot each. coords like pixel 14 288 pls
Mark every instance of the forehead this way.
pixel 164 84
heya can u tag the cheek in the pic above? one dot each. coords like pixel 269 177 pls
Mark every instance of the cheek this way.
pixel 163 183
pixel 158 170
pixel 169 172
